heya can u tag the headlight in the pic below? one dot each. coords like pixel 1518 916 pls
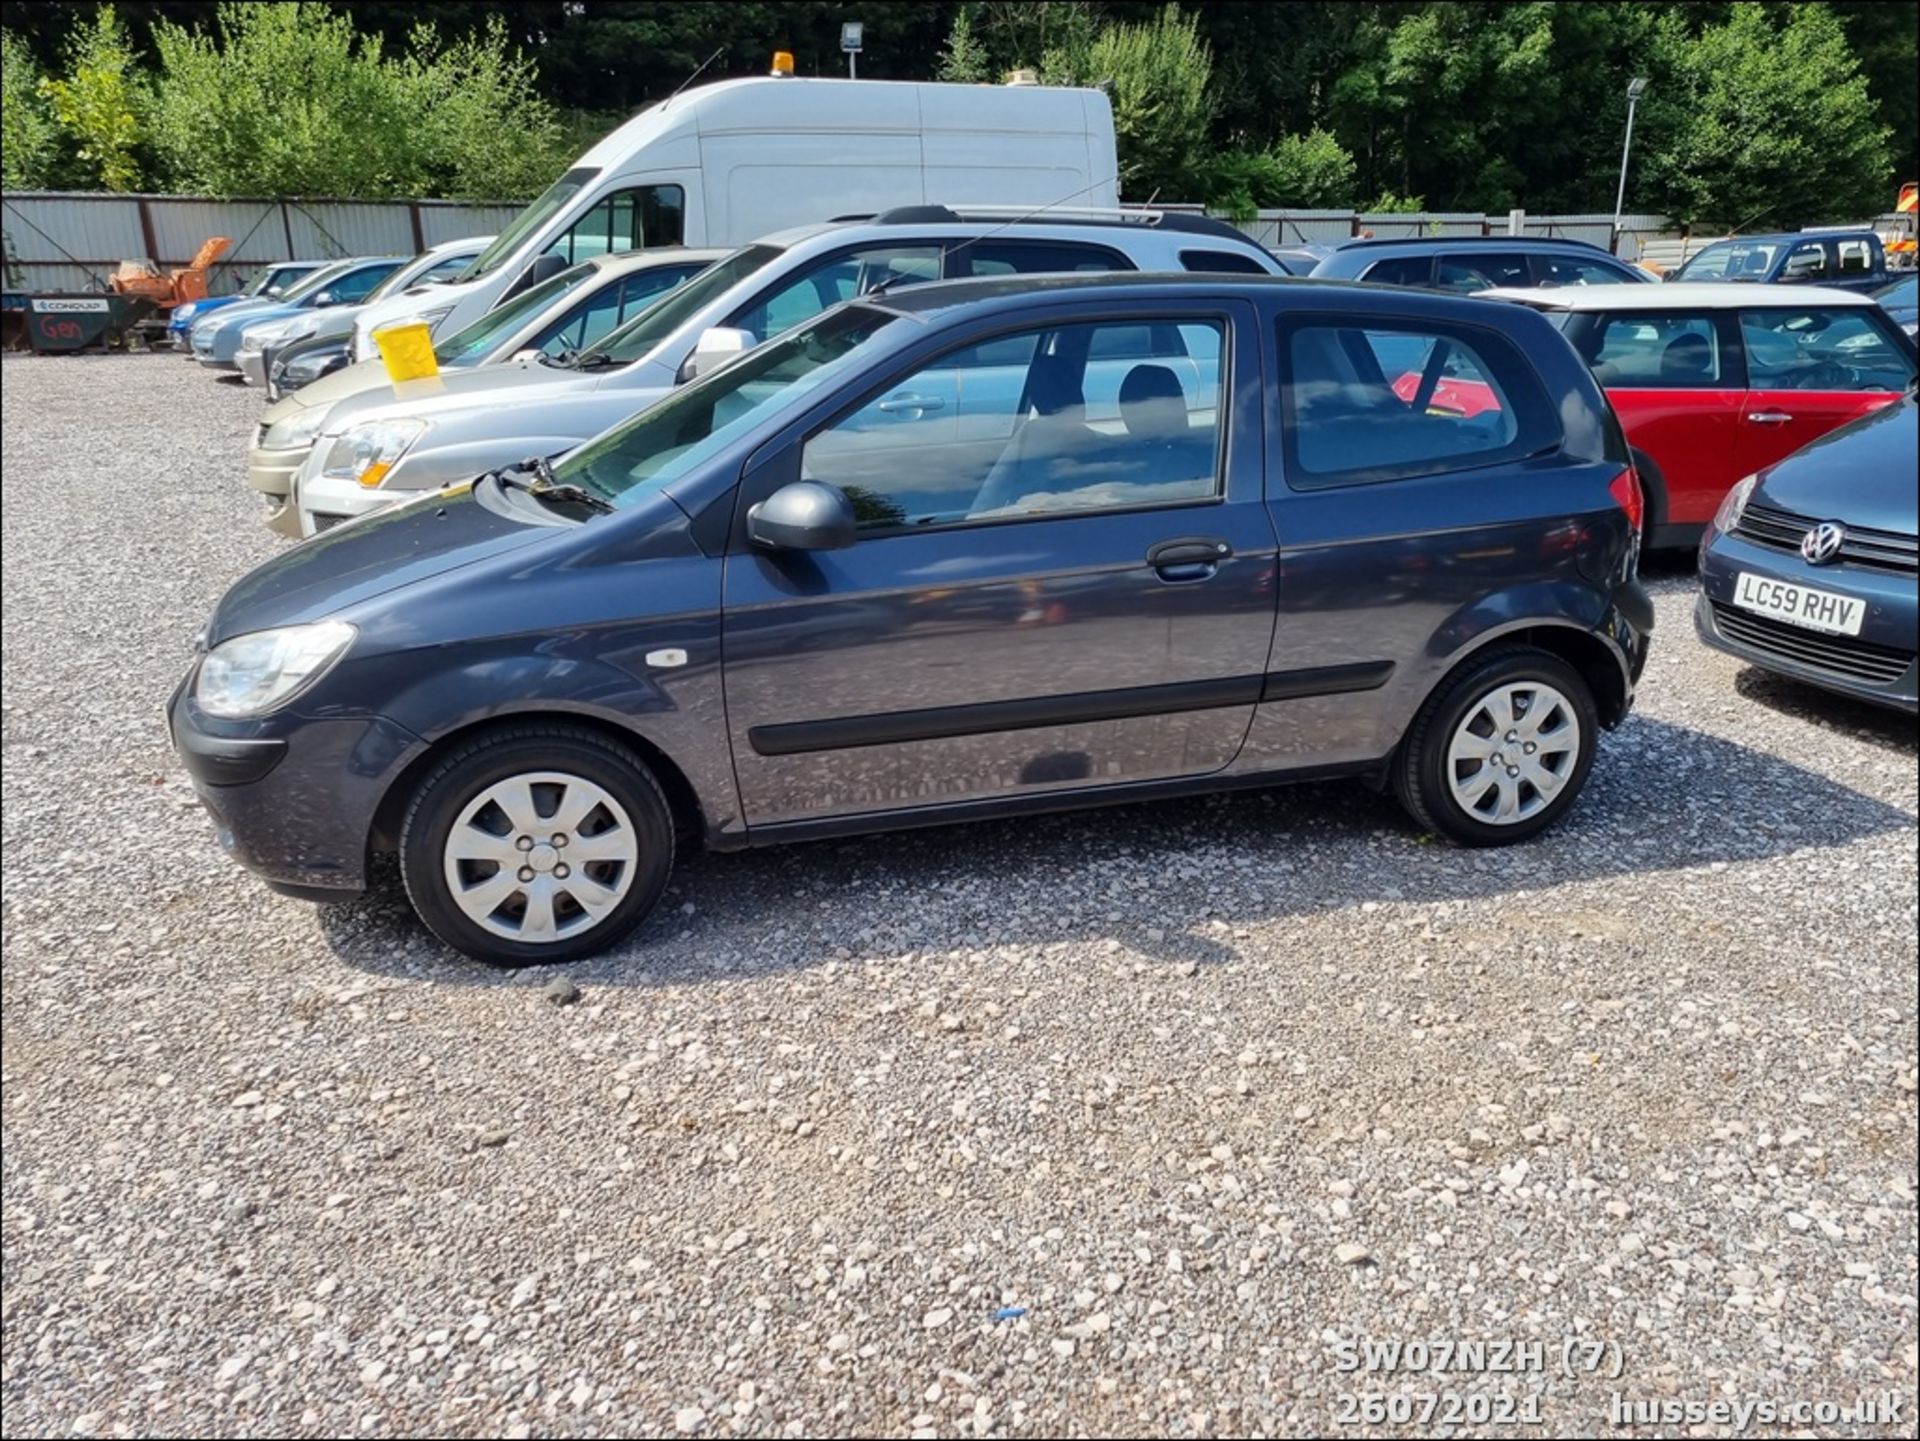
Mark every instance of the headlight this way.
pixel 184 312
pixel 368 451
pixel 251 674
pixel 294 431
pixel 1728 516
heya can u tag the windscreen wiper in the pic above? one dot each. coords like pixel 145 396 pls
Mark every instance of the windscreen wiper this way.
pixel 544 487
pixel 593 360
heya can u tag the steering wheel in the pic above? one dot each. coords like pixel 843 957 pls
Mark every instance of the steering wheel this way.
pixel 1826 375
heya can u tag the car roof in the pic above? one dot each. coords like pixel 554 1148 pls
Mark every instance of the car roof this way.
pixel 930 296
pixel 1818 233
pixel 914 222
pixel 1676 295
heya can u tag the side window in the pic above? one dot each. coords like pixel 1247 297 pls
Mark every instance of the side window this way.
pixel 1835 348
pixel 1043 431
pixel 1227 262
pixel 1468 273
pixel 444 270
pixel 356 285
pixel 1573 270
pixel 1033 257
pixel 1365 402
pixel 1408 270
pixel 1656 352
pixel 637 219
pixel 643 287
pixel 1806 261
pixel 1856 257
pixel 831 281
pixel 584 323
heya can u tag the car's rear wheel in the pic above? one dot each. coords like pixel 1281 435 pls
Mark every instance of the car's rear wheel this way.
pixel 536 843
pixel 1501 750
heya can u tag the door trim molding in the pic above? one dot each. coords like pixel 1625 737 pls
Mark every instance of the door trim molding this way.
pixel 1079 708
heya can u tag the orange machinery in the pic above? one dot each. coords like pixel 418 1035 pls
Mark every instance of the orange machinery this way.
pixel 142 278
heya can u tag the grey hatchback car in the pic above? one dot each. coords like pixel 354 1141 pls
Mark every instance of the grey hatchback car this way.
pixel 970 549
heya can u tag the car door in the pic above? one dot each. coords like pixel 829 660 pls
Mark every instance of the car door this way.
pixel 1077 603
pixel 1673 377
pixel 1811 369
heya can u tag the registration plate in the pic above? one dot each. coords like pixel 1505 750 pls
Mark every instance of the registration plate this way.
pixel 1799 605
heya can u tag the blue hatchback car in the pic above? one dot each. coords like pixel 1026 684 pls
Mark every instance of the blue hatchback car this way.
pixel 966 549
pixel 1812 567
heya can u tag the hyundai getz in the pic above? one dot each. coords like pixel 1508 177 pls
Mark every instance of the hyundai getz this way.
pixel 964 550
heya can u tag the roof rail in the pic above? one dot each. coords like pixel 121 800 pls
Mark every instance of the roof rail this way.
pixel 1181 222
pixel 1468 240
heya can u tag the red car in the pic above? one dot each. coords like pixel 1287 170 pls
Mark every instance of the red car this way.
pixel 1714 382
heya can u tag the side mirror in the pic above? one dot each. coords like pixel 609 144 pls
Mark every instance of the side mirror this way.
pixel 713 349
pixel 544 267
pixel 528 353
pixel 324 299
pixel 803 515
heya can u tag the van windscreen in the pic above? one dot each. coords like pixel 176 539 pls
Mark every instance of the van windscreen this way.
pixel 670 312
pixel 538 213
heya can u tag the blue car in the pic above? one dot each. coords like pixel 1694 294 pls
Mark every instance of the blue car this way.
pixel 271 283
pixel 215 341
pixel 1837 259
pixel 1809 569
pixel 1212 538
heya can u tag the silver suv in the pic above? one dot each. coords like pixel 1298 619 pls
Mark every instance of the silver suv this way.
pixel 376 447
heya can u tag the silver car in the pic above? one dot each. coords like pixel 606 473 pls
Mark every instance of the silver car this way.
pixel 563 314
pixel 376 447
pixel 441 262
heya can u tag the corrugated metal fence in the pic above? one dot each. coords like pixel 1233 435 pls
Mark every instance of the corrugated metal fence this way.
pixel 74 241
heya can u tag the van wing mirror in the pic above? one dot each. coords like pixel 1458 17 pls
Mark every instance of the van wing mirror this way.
pixel 544 267
pixel 803 515
pixel 715 347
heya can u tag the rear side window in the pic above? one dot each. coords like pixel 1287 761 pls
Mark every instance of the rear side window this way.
pixel 1365 401
pixel 1856 257
pixel 1575 270
pixel 1033 257
pixel 1468 273
pixel 1228 262
pixel 1656 352
pixel 1408 270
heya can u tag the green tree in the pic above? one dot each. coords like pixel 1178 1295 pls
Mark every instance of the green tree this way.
pixel 1762 119
pixel 1311 171
pixel 482 130
pixel 29 140
pixel 98 101
pixel 1157 76
pixel 963 60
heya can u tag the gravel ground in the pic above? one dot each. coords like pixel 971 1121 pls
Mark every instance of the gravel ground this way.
pixel 1206 1089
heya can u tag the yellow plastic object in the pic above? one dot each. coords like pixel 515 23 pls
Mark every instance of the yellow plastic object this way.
pixel 407 351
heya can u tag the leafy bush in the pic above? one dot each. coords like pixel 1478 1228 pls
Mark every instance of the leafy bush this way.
pixel 29 139
pixel 98 101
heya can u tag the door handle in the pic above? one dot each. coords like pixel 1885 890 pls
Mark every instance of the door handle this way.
pixel 894 405
pixel 1192 557
pixel 1769 417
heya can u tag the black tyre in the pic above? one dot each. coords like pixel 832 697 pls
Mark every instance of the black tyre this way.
pixel 536 843
pixel 1500 750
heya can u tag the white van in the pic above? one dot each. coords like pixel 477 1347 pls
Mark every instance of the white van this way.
pixel 730 162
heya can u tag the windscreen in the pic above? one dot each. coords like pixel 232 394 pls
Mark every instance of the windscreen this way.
pixel 473 344
pixel 697 421
pixel 657 322
pixel 316 280
pixel 1732 260
pixel 557 197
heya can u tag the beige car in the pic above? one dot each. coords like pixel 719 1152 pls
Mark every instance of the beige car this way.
pixel 546 322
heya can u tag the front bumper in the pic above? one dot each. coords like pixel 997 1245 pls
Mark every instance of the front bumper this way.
pixel 324 501
pixel 271 473
pixel 293 800
pixel 1868 667
pixel 252 365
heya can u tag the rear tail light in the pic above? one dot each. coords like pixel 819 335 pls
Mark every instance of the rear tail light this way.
pixel 1626 493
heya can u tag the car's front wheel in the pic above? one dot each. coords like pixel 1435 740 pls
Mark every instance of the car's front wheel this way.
pixel 1502 748
pixel 536 843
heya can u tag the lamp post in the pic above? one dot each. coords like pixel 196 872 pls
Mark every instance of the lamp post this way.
pixel 1636 87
